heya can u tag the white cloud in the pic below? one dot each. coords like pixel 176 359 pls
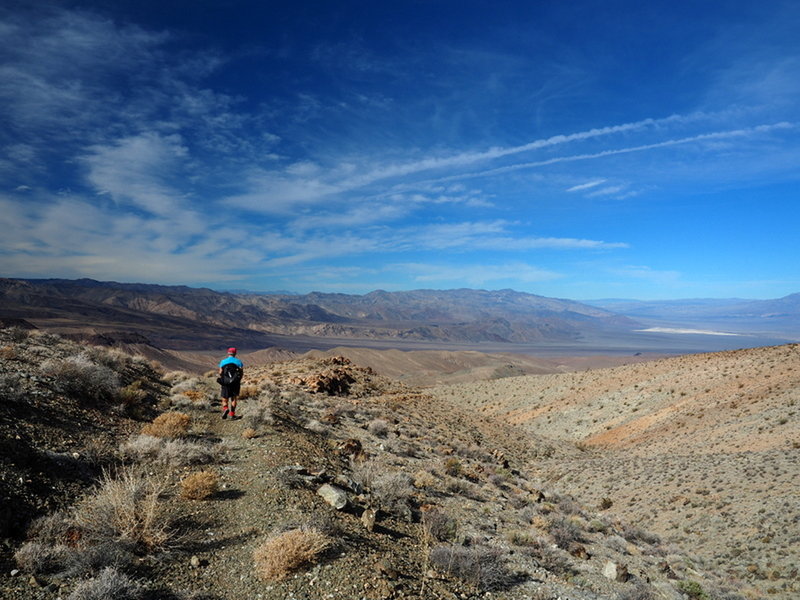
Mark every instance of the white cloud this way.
pixel 136 170
pixel 586 186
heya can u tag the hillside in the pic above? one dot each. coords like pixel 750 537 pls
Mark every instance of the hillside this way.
pixel 701 449
pixel 434 502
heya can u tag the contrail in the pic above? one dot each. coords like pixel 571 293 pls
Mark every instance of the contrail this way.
pixel 664 144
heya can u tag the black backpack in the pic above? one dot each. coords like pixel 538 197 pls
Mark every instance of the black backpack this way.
pixel 231 374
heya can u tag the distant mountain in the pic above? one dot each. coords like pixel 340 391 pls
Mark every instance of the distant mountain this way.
pixel 780 316
pixel 171 315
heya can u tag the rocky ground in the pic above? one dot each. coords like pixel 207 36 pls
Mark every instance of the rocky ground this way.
pixel 702 450
pixel 413 496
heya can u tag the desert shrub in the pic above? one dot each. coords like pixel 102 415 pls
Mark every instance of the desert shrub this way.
pixel 453 467
pixel 568 506
pixel 12 387
pixel 142 448
pixel 693 590
pixel 598 526
pixel 565 532
pixel 633 534
pixel 461 487
pixel 182 383
pixel 17 334
pixel 393 492
pixel 364 474
pixel 286 552
pixel 119 554
pixel 438 525
pixel 424 479
pixel 80 378
pixel 249 433
pixel 110 583
pixel 168 425
pixel 378 427
pixel 132 395
pixel 248 391
pixel 259 415
pixel 639 591
pixel 548 557
pixel 316 427
pixel 112 358
pixel 127 508
pixel 182 453
pixel 175 377
pixel 41 558
pixel 8 352
pixel 481 566
pixel 200 485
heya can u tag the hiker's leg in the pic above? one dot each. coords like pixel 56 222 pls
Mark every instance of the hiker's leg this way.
pixel 233 404
pixel 224 408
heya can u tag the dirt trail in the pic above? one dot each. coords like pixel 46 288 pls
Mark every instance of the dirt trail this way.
pixel 252 503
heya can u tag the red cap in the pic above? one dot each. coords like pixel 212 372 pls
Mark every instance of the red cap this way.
pixel 231 350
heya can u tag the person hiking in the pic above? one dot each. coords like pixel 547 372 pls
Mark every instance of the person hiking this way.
pixel 231 370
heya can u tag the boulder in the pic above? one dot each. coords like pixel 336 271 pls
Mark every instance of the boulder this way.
pixel 368 518
pixel 333 495
pixel 616 572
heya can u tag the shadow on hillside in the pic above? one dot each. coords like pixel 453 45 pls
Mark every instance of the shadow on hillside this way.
pixel 229 495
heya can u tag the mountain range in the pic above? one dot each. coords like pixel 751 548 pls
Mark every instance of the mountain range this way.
pixel 184 318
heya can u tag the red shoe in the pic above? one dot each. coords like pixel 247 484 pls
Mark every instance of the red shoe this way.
pixel 225 414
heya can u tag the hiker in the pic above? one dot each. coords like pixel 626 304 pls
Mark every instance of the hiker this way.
pixel 231 370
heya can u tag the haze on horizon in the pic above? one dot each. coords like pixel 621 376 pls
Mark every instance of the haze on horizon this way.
pixel 577 150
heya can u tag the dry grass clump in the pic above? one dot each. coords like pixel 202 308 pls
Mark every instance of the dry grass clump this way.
pixel 248 391
pixel 174 453
pixel 481 566
pixel 438 525
pixel 378 427
pixel 424 479
pixel 110 583
pixel 200 485
pixel 287 552
pixel 127 508
pixel 168 425
pixel 249 433
pixel 79 377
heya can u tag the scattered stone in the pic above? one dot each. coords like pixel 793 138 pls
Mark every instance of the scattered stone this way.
pixel 384 567
pixel 579 551
pixel 14 572
pixel 333 495
pixel 667 570
pixel 368 518
pixel 616 572
pixel 194 562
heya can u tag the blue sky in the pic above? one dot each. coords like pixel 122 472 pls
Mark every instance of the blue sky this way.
pixel 571 149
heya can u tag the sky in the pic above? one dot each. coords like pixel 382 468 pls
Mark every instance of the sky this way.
pixel 582 149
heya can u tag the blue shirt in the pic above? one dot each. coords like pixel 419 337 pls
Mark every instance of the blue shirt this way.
pixel 229 360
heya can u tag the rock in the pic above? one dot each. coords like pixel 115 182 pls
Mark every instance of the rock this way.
pixel 616 572
pixel 194 562
pixel 368 518
pixel 333 495
pixel 384 567
pixel 34 582
pixel 14 572
pixel 579 551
